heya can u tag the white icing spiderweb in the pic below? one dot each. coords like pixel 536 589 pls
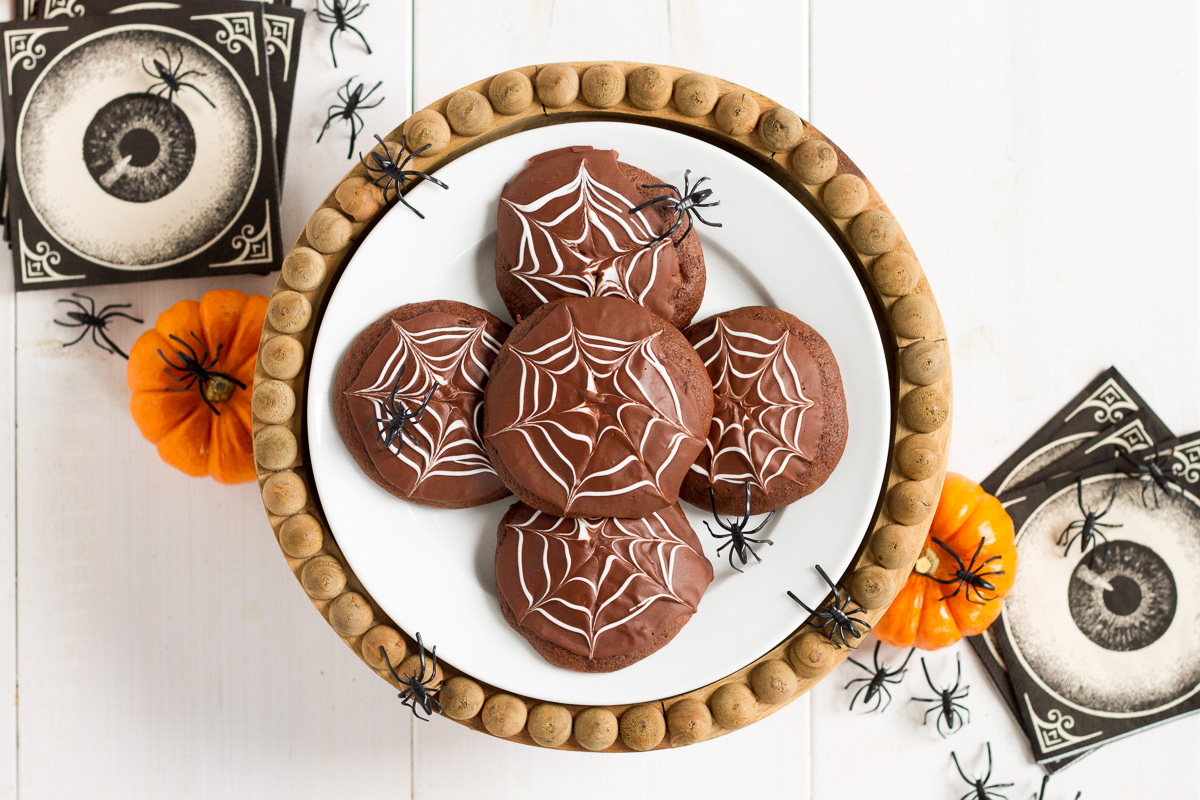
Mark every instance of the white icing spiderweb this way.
pixel 447 437
pixel 590 576
pixel 624 260
pixel 581 392
pixel 760 405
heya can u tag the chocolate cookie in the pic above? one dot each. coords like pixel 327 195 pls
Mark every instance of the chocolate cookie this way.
pixel 565 230
pixel 408 400
pixel 596 408
pixel 779 418
pixel 598 594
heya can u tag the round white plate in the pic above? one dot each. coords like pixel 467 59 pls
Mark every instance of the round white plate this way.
pixel 431 570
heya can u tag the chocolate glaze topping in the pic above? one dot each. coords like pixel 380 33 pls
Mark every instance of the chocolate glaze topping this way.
pixel 587 413
pixel 565 231
pixel 440 455
pixel 600 587
pixel 768 411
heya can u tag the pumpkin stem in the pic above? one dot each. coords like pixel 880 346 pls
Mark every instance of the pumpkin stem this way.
pixel 219 388
pixel 927 562
pixel 197 368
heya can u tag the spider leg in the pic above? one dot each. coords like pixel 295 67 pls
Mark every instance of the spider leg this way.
pixel 702 219
pixel 328 120
pixel 371 92
pixel 75 303
pixel 959 768
pixel 77 339
pixel 957 589
pixel 760 525
pixel 425 177
pixel 91 309
pixel 147 69
pixel 355 122
pixel 96 341
pixel 112 344
pixel 861 666
pixel 407 204
pixel 928 679
pixel 360 36
pixel 800 602
pixel 332 52
pixel 854 699
pixel 1111 499
pixel 105 314
pixel 198 91
pixel 681 216
pixel 904 664
pixel 662 198
pixel 886 693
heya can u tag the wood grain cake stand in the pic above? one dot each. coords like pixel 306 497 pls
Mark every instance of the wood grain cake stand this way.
pixel 765 135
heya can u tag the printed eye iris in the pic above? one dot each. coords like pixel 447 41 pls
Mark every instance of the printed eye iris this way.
pixel 139 148
pixel 1124 599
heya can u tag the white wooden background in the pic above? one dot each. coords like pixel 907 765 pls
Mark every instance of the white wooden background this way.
pixel 1043 159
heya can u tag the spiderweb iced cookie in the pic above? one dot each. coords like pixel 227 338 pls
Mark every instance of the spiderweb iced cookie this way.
pixel 596 408
pixel 597 594
pixel 408 400
pixel 569 226
pixel 779 414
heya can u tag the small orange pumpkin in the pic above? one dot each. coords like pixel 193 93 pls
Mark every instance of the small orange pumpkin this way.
pixel 964 572
pixel 189 375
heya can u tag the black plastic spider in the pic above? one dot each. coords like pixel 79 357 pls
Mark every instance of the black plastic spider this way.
pixel 739 538
pixel 395 424
pixel 838 620
pixel 94 321
pixel 393 174
pixel 418 694
pixel 981 788
pixel 339 13
pixel 876 685
pixel 215 387
pixel 950 711
pixel 685 204
pixel 1153 473
pixel 1088 527
pixel 969 576
pixel 169 77
pixel 1041 793
pixel 353 101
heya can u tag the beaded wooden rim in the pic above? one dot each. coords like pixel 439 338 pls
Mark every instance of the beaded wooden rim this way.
pixel 767 136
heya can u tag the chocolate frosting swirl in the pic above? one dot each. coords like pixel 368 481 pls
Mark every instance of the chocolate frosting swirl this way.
pixel 444 456
pixel 587 413
pixel 767 411
pixel 565 231
pixel 600 587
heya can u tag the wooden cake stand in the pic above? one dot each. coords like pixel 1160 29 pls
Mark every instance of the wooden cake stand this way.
pixel 788 150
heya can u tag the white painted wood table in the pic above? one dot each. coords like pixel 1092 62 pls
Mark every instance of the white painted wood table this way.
pixel 1043 160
